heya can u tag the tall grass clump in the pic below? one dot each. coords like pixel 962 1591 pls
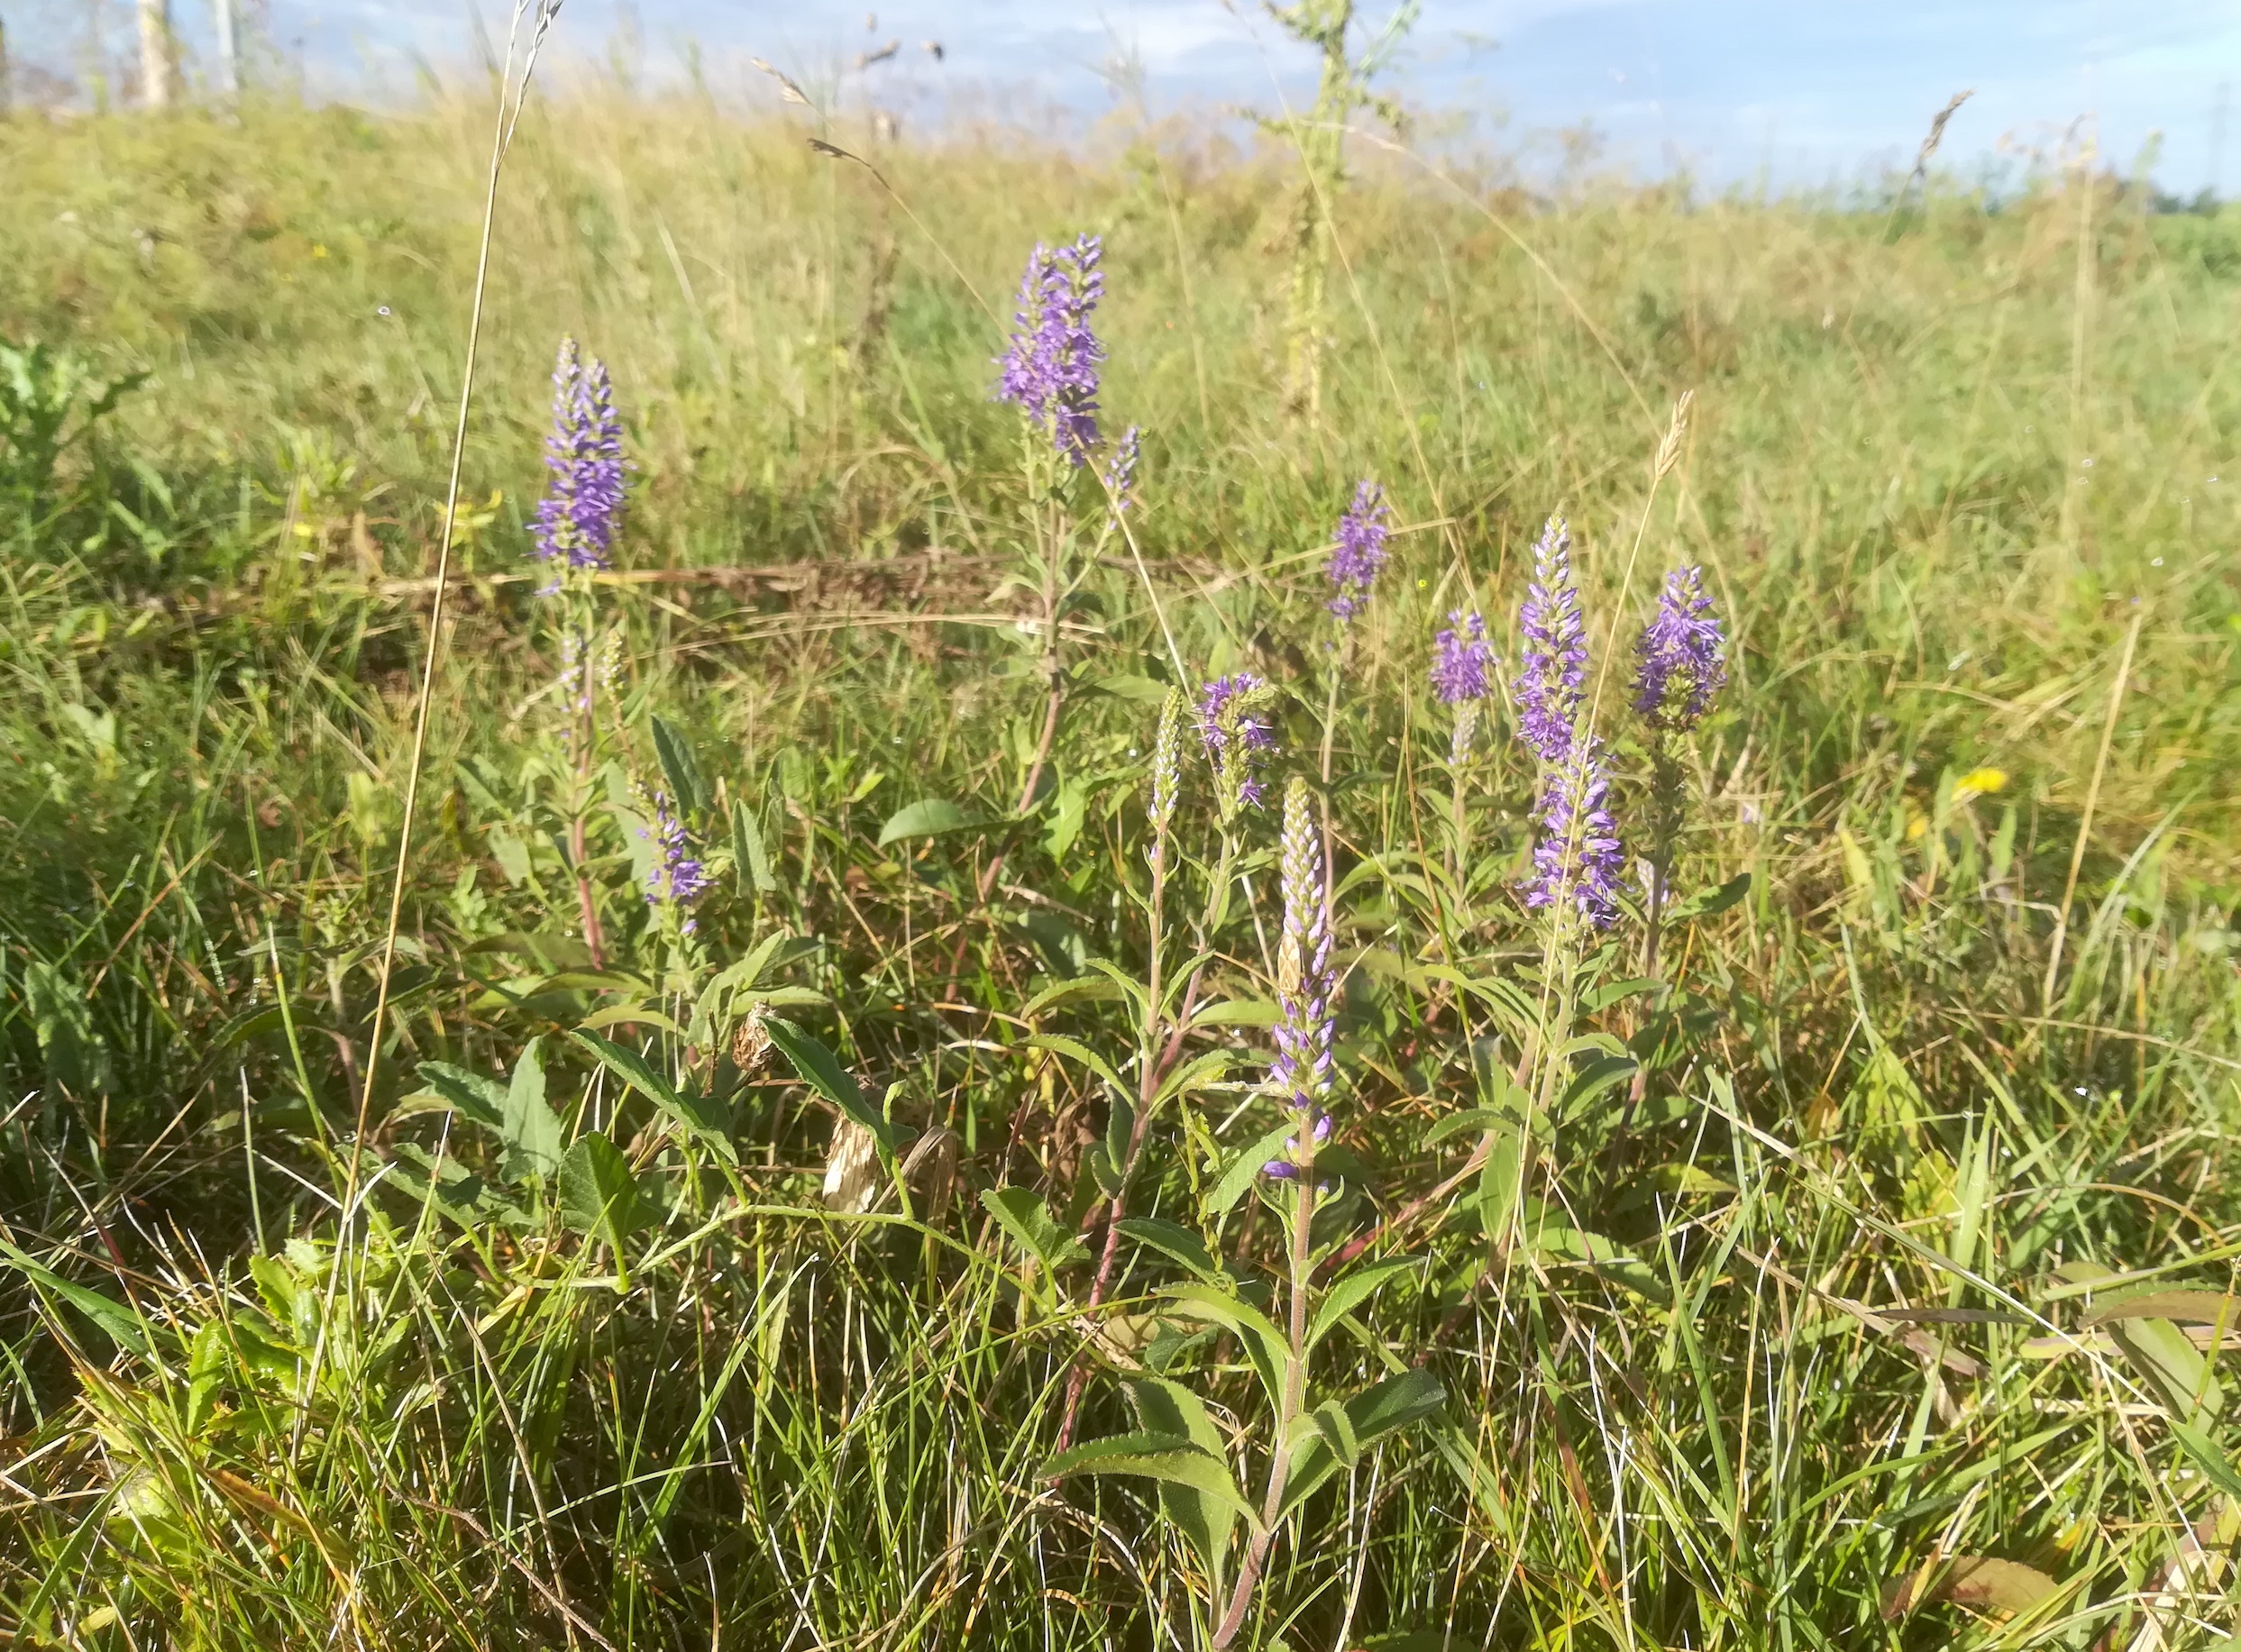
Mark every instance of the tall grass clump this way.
pixel 1589 1000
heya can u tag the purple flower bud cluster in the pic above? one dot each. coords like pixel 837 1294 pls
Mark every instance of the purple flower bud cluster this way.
pixel 1553 676
pixel 1121 475
pixel 582 504
pixel 1050 369
pixel 1461 659
pixel 1167 770
pixel 1578 854
pixel 1360 550
pixel 1680 659
pixel 1578 859
pixel 1305 1065
pixel 679 878
pixel 1233 723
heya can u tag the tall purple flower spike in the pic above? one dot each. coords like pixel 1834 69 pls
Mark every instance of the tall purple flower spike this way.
pixel 582 505
pixel 1577 857
pixel 1553 676
pixel 1360 550
pixel 1050 369
pixel 1305 1065
pixel 1680 659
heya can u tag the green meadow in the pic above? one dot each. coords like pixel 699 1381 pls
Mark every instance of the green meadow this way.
pixel 552 1266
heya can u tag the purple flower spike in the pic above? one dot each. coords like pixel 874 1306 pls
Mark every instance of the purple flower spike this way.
pixel 1681 656
pixel 1050 369
pixel 582 504
pixel 1233 722
pixel 1360 552
pixel 1305 1064
pixel 679 878
pixel 1461 659
pixel 1578 858
pixel 1552 683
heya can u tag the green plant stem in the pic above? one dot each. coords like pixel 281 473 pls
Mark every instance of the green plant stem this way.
pixel 1295 1400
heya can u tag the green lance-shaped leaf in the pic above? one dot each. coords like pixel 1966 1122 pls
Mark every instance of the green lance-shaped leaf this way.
pixel 480 1100
pixel 1265 1345
pixel 699 1115
pixel 1206 1520
pixel 1238 1175
pixel 821 1070
pixel 1172 1239
pixel 533 1133
pixel 930 817
pixel 683 769
pixel 1348 1292
pixel 1171 1458
pixel 1377 1411
pixel 1028 1220
pixel 598 1196
pixel 748 851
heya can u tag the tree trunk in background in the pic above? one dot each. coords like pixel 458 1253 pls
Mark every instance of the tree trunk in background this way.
pixel 229 65
pixel 156 67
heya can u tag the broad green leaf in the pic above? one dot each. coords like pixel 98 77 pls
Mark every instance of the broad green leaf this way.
pixel 1238 1175
pixel 1475 1119
pixel 1209 1521
pixel 1173 1239
pixel 1349 1292
pixel 1330 1421
pixel 1239 1012
pixel 820 1070
pixel 118 1322
pixel 1265 1345
pixel 598 1196
pixel 1144 690
pixel 1074 1049
pixel 1374 1412
pixel 699 1114
pixel 930 817
pixel 748 852
pixel 1618 991
pixel 2171 1365
pixel 1081 988
pixel 2208 1455
pixel 480 1100
pixel 1709 903
pixel 452 1188
pixel 683 769
pixel 555 952
pixel 1026 1219
pixel 534 1136
pixel 2186 1306
pixel 1174 1459
pixel 1970 1580
pixel 1206 1069
pixel 1591 1078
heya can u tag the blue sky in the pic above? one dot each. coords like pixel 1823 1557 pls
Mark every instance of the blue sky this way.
pixel 1803 91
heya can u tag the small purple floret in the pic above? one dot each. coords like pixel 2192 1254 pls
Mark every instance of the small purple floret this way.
pixel 1578 855
pixel 679 878
pixel 1236 740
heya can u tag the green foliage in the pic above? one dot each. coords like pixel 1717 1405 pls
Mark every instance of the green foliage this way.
pixel 1842 1279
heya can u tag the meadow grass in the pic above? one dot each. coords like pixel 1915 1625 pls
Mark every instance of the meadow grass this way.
pixel 1803 1353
